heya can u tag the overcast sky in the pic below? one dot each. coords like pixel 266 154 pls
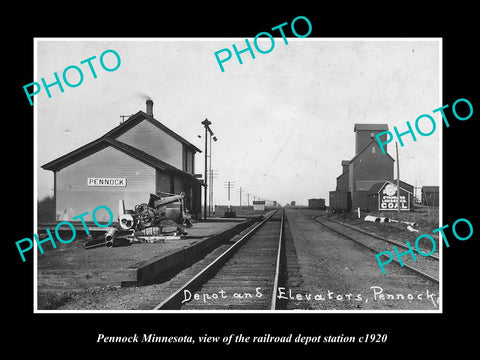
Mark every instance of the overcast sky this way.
pixel 284 120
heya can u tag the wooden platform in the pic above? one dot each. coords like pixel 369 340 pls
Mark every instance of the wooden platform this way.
pixel 73 268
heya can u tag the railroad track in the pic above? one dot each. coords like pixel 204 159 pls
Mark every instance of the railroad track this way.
pixel 427 267
pixel 244 277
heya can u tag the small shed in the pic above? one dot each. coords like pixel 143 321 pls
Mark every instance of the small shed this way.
pixel 340 200
pixel 430 195
pixel 316 204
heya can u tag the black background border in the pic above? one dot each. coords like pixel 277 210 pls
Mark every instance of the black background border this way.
pixel 78 332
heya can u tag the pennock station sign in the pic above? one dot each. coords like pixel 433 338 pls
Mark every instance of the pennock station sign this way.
pixel 107 182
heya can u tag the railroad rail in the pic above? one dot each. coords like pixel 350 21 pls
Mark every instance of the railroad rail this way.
pixel 245 276
pixel 393 242
pixel 426 267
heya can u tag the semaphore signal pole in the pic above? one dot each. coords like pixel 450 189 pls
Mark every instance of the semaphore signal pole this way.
pixel 205 124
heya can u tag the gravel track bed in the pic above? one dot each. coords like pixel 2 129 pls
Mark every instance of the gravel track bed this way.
pixel 342 275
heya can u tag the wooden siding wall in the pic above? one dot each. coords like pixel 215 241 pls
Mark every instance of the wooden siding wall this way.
pixel 342 181
pixel 150 139
pixel 196 200
pixel 363 137
pixel 74 197
pixel 188 160
pixel 163 182
pixel 189 165
pixel 178 186
pixel 369 165
pixel 372 166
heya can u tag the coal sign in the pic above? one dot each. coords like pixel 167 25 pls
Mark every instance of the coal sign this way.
pixel 387 198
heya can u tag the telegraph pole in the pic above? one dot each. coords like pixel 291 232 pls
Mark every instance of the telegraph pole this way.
pixel 240 191
pixel 213 175
pixel 228 185
pixel 123 118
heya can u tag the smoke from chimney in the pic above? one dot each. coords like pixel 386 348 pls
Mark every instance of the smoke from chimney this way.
pixel 150 107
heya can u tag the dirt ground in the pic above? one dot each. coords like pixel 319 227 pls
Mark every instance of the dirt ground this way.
pixel 116 298
pixel 342 275
pixel 338 275
pixel 72 273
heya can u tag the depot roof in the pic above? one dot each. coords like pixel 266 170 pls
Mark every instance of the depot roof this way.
pixel 109 139
pixel 381 127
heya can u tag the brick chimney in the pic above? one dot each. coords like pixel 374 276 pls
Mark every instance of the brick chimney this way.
pixel 150 107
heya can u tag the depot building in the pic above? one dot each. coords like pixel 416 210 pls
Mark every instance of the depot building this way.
pixel 139 157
